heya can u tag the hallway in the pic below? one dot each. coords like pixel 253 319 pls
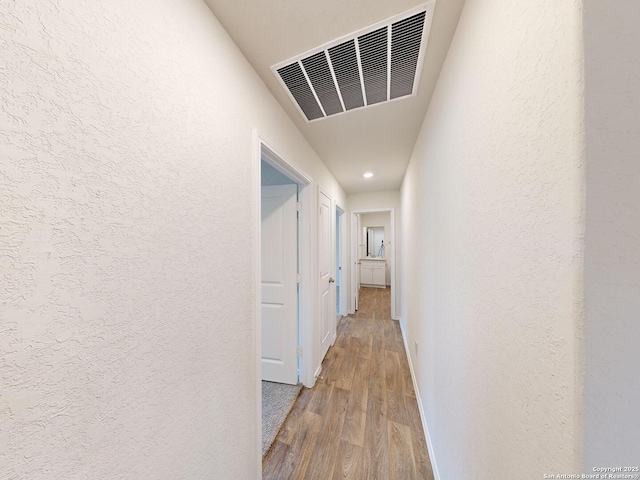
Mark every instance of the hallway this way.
pixel 132 138
pixel 361 419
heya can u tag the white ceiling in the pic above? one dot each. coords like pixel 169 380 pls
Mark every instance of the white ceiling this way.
pixel 377 139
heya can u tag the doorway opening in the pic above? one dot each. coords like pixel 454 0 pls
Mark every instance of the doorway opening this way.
pixel 373 253
pixel 341 287
pixel 279 312
pixel 282 260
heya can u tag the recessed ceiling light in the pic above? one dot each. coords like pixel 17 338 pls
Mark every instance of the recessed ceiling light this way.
pixel 368 175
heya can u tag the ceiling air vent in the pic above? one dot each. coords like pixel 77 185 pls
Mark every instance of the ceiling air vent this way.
pixel 377 64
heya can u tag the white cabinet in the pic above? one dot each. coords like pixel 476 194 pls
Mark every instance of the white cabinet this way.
pixel 366 274
pixel 372 273
pixel 378 272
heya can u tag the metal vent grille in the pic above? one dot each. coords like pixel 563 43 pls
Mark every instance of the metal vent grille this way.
pixel 319 73
pixel 406 37
pixel 372 66
pixel 294 79
pixel 345 65
pixel 374 54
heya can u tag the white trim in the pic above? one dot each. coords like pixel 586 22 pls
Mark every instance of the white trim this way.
pixel 430 8
pixel 389 30
pixel 257 281
pixel 354 255
pixel 264 150
pixel 353 283
pixel 343 260
pixel 307 294
pixel 423 417
pixel 270 155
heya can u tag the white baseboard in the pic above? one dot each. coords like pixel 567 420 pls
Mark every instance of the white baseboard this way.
pixel 423 418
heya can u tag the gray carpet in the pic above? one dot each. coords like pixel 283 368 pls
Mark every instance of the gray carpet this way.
pixel 277 400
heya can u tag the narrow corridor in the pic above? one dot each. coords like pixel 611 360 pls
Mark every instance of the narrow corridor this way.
pixel 361 419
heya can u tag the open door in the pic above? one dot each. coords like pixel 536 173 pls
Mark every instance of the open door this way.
pixel 327 315
pixel 356 260
pixel 279 309
pixel 340 284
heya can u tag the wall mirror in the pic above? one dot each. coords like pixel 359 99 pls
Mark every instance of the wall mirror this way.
pixel 373 241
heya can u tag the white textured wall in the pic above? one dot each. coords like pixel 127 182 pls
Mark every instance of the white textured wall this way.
pixel 492 207
pixel 378 200
pixel 126 250
pixel 612 253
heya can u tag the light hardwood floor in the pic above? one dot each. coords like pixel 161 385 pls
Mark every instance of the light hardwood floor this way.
pixel 361 419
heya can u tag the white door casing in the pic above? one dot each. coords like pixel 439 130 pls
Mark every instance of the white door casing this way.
pixel 356 260
pixel 279 307
pixel 326 318
pixel 340 248
pixel 265 150
pixel 355 253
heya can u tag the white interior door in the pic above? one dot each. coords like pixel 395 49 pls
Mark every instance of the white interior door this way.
pixel 325 268
pixel 340 250
pixel 279 311
pixel 358 240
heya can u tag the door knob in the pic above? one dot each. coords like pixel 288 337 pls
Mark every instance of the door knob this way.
pixel 331 280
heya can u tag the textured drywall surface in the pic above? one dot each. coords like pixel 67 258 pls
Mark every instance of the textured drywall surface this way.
pixel 493 203
pixel 126 241
pixel 378 200
pixel 612 237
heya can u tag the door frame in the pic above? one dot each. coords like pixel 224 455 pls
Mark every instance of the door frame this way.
pixel 342 251
pixel 263 149
pixel 355 256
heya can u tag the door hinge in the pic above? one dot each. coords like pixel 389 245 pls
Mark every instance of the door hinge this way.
pixel 298 206
pixel 299 351
pixel 298 278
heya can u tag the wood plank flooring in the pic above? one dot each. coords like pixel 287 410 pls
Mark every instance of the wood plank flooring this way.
pixel 361 419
